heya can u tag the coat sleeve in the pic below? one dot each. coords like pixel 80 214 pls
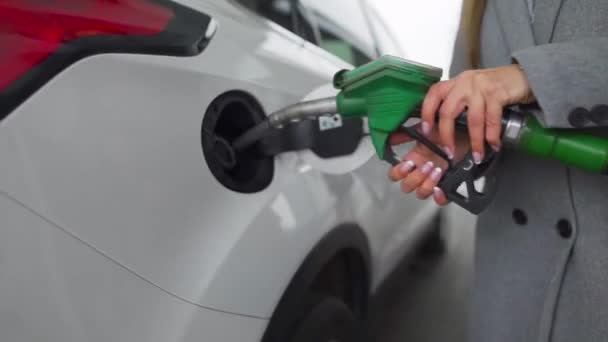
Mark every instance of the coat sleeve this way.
pixel 460 61
pixel 566 76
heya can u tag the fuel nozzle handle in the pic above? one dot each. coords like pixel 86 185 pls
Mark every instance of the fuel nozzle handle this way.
pixel 511 124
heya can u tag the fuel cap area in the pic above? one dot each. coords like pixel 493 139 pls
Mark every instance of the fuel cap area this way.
pixel 226 118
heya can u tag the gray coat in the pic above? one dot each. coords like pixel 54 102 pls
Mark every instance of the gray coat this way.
pixel 546 277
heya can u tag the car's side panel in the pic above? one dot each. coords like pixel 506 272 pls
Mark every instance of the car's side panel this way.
pixel 54 288
pixel 110 151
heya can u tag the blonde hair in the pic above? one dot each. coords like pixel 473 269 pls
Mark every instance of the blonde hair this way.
pixel 472 15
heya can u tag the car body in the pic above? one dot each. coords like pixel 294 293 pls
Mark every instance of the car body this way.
pixel 115 229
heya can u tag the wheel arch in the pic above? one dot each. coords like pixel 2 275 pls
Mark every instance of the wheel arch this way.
pixel 346 243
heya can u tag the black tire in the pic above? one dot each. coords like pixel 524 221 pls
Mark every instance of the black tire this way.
pixel 434 243
pixel 326 319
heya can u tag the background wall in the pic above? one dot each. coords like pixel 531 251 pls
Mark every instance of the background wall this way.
pixel 425 28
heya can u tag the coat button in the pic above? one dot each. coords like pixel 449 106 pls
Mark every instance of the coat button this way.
pixel 599 115
pixel 578 117
pixel 564 228
pixel 520 217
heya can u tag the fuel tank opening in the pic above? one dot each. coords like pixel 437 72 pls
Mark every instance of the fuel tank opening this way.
pixel 228 117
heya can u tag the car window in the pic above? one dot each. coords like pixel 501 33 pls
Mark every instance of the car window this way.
pixel 343 29
pixel 385 40
pixel 286 13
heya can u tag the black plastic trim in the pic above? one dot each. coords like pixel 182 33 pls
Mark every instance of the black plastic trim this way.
pixel 252 172
pixel 306 134
pixel 185 35
pixel 346 237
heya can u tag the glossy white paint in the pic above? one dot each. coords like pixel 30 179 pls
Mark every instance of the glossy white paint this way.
pixel 54 287
pixel 113 227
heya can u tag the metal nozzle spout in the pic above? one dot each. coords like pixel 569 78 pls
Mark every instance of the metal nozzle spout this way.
pixel 299 111
pixel 303 110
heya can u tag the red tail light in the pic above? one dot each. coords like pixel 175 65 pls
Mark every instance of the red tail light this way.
pixel 39 38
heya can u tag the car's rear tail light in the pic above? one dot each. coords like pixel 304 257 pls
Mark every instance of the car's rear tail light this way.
pixel 39 38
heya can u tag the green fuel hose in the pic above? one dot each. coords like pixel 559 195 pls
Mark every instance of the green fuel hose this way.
pixel 571 147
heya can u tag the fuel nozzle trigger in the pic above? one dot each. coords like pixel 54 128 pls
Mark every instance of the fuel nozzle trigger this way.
pixel 391 157
pixel 463 172
pixel 467 172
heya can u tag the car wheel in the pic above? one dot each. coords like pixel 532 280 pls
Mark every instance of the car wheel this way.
pixel 326 319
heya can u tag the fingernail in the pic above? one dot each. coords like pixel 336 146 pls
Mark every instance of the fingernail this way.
pixel 426 128
pixel 407 166
pixel 437 193
pixel 436 174
pixel 427 167
pixel 449 152
pixel 477 157
pixel 496 148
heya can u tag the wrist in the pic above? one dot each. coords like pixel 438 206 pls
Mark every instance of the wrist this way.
pixel 527 94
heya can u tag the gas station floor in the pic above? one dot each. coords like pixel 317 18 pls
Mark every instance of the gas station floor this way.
pixel 426 299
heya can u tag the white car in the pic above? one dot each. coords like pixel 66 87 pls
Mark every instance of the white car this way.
pixel 119 223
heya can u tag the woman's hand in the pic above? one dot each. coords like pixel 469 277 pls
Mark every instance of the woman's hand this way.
pixel 422 169
pixel 483 93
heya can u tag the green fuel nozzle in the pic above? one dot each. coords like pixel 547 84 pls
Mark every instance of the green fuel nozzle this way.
pixel 387 91
pixel 390 90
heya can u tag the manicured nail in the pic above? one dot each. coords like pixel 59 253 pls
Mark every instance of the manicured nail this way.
pixel 436 174
pixel 437 193
pixel 427 167
pixel 477 157
pixel 426 128
pixel 496 148
pixel 449 152
pixel 407 166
